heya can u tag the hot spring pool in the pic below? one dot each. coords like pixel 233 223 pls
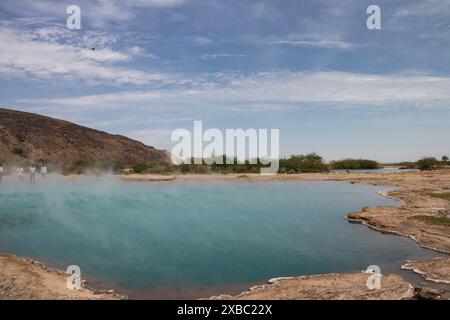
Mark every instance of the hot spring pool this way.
pixel 139 235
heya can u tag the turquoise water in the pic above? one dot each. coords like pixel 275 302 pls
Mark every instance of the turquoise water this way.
pixel 203 233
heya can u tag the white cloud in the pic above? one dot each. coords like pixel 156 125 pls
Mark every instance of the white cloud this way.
pixel 213 56
pixel 121 98
pixel 426 19
pixel 424 8
pixel 329 44
pixel 155 3
pixel 139 52
pixel 282 88
pixel 98 39
pixel 103 10
pixel 102 55
pixel 99 12
pixel 38 55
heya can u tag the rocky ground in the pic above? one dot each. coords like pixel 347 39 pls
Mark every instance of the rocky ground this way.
pixel 27 137
pixel 25 279
pixel 414 193
pixel 437 270
pixel 352 286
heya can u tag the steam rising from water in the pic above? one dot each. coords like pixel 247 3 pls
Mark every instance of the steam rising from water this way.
pixel 148 234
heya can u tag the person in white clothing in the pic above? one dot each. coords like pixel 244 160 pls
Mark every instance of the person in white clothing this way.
pixel 33 174
pixel 44 171
pixel 19 174
pixel 1 173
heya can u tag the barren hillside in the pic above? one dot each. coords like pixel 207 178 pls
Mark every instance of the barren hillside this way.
pixel 26 137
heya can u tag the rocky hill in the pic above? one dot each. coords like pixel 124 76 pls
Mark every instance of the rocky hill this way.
pixel 27 137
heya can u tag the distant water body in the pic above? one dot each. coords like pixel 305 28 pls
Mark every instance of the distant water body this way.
pixel 139 235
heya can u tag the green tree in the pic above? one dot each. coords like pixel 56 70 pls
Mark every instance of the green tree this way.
pixel 311 162
pixel 444 159
pixel 140 167
pixel 427 163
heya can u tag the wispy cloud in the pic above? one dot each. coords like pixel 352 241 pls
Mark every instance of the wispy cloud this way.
pixel 329 44
pixel 139 52
pixel 213 56
pixel 98 12
pixel 281 88
pixel 423 8
pixel 38 54
pixel 155 3
pixel 426 19
pixel 201 41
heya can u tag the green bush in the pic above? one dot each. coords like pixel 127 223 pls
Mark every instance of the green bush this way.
pixel 440 221
pixel 194 168
pixel 107 165
pixel 354 164
pixel 296 163
pixel 155 167
pixel 308 163
pixel 160 167
pixel 117 167
pixel 428 163
pixel 140 167
pixel 18 151
pixel 445 196
pixel 184 168
pixel 82 165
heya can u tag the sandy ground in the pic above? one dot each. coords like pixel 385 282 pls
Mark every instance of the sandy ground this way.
pixel 437 270
pixel 352 286
pixel 22 279
pixel 147 177
pixel 26 279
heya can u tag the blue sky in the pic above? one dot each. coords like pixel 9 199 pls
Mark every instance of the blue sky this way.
pixel 309 68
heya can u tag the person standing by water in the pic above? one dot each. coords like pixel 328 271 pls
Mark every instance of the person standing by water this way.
pixel 19 175
pixel 33 174
pixel 44 171
pixel 1 173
